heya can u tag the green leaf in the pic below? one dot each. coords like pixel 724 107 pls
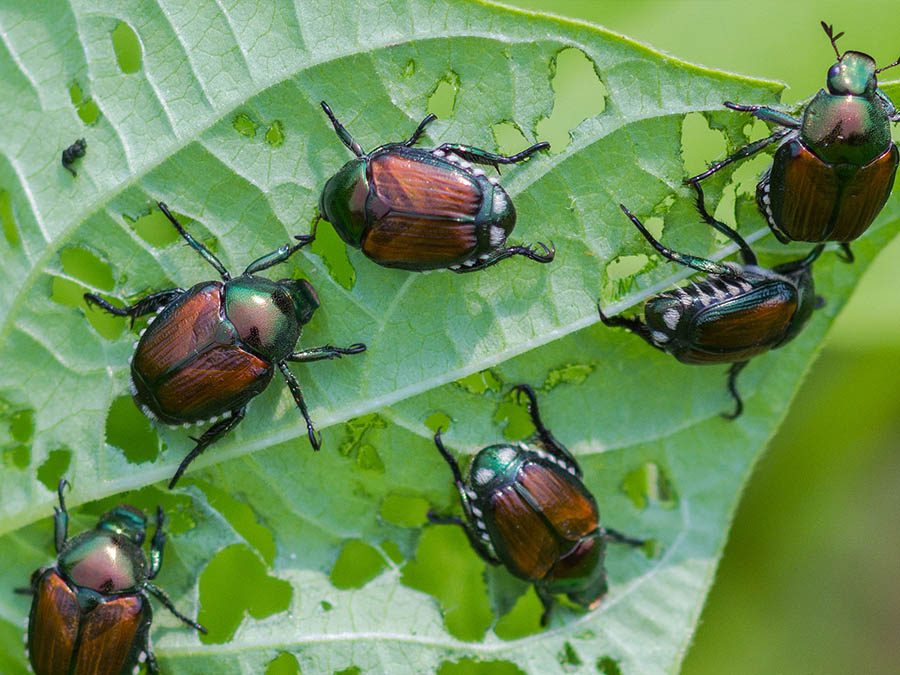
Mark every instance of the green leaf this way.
pixel 215 111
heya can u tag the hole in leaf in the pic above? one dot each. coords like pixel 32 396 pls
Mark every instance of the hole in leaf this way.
pixel 607 665
pixel 474 667
pixel 573 373
pixel 438 420
pixel 409 69
pixel 8 219
pixel 241 516
pixel 357 564
pixel 332 249
pixel 234 584
pixel 127 47
pixel 244 125
pixel 18 456
pixel 130 431
pixel 509 138
pixel 54 467
pixel 326 606
pixel 86 267
pixel 649 484
pixel 275 134
pixel 358 442
pixel 443 99
pixel 87 109
pixel 16 432
pixel 523 619
pixel 513 416
pixel 392 551
pixel 154 228
pixel 446 567
pixel 568 657
pixel 625 266
pixel 21 425
pixel 479 383
pixel 700 145
pixel 579 93
pixel 404 510
pixel 352 670
pixel 283 664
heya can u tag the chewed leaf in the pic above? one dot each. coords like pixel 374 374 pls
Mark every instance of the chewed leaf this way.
pixel 216 113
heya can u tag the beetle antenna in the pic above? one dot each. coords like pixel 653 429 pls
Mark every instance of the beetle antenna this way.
pixel 881 70
pixel 829 31
pixel 342 133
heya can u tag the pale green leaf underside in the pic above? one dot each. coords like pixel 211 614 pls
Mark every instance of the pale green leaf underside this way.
pixel 168 132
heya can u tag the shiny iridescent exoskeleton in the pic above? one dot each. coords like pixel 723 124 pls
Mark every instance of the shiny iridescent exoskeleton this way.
pixel 215 346
pixel 74 152
pixel 730 315
pixel 834 169
pixel 91 610
pixel 527 509
pixel 418 209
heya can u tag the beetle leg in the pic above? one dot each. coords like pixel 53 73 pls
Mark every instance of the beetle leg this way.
pixel 146 305
pixel 164 598
pixel 846 254
pixel 60 517
pixel 152 665
pixel 314 438
pixel 636 326
pixel 479 156
pixel 547 601
pixel 733 372
pixel 741 153
pixel 888 105
pixel 157 544
pixel 209 437
pixel 417 134
pixel 767 114
pixel 617 537
pixel 503 253
pixel 747 254
pixel 326 352
pixel 342 133
pixel 279 255
pixel 204 252
pixel 697 263
pixel 477 544
pixel 549 441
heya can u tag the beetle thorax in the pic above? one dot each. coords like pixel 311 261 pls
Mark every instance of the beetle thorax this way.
pixel 264 315
pixel 343 201
pixel 494 464
pixel 104 562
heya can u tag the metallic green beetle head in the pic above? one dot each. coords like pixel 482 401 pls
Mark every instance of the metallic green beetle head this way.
pixel 343 201
pixel 125 521
pixel 495 464
pixel 853 74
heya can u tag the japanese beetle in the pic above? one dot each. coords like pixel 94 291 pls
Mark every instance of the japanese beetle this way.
pixel 734 313
pixel 75 151
pixel 527 509
pixel 417 209
pixel 91 611
pixel 834 169
pixel 214 346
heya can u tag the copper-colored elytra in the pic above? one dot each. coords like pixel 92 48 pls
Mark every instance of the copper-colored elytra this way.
pixel 413 238
pixel 54 625
pixel 810 191
pixel 865 195
pixel 563 500
pixel 413 186
pixel 108 633
pixel 531 547
pixel 221 373
pixel 758 325
pixel 166 344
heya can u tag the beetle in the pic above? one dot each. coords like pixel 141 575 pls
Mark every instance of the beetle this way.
pixel 734 313
pixel 527 509
pixel 417 209
pixel 90 611
pixel 215 346
pixel 72 153
pixel 834 168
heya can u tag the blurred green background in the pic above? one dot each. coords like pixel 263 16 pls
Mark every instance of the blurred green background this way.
pixel 808 583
